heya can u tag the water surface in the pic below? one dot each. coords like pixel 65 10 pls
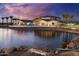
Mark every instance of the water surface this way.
pixel 32 38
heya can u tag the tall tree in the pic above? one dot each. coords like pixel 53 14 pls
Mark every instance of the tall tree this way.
pixel 11 17
pixel 68 17
pixel 7 20
pixel 2 20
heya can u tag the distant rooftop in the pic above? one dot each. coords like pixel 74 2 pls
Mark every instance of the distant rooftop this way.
pixel 48 18
pixel 27 20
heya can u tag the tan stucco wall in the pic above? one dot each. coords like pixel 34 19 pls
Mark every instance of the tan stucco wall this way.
pixel 53 23
pixel 40 22
pixel 19 22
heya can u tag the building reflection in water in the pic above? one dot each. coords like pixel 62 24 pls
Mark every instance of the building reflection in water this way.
pixel 46 34
pixel 33 38
pixel 41 34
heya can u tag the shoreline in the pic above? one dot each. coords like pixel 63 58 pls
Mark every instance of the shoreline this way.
pixel 25 51
pixel 42 28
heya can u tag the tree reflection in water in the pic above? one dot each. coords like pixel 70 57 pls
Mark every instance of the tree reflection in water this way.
pixel 34 38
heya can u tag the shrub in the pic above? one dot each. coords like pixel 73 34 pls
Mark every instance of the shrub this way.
pixel 23 47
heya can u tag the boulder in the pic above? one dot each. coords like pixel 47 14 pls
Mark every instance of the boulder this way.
pixel 73 43
pixel 69 53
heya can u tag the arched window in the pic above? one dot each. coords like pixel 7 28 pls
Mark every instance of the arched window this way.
pixel 52 23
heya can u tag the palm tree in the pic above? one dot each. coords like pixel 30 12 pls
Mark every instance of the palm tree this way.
pixel 7 19
pixel 2 20
pixel 68 17
pixel 11 17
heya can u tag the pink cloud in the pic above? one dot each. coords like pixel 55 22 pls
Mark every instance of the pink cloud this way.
pixel 28 12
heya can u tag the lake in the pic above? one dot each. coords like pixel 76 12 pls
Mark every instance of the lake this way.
pixel 33 38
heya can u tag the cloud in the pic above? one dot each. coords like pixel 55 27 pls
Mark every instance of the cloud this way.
pixel 27 11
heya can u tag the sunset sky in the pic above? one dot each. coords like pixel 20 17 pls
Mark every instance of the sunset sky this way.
pixel 31 10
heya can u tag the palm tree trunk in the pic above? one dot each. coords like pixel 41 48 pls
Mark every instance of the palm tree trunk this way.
pixel 11 21
pixel 7 21
pixel 2 21
pixel 11 18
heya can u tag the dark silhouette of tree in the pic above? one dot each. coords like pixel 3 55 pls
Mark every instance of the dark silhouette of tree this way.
pixel 2 20
pixel 68 17
pixel 7 20
pixel 11 17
